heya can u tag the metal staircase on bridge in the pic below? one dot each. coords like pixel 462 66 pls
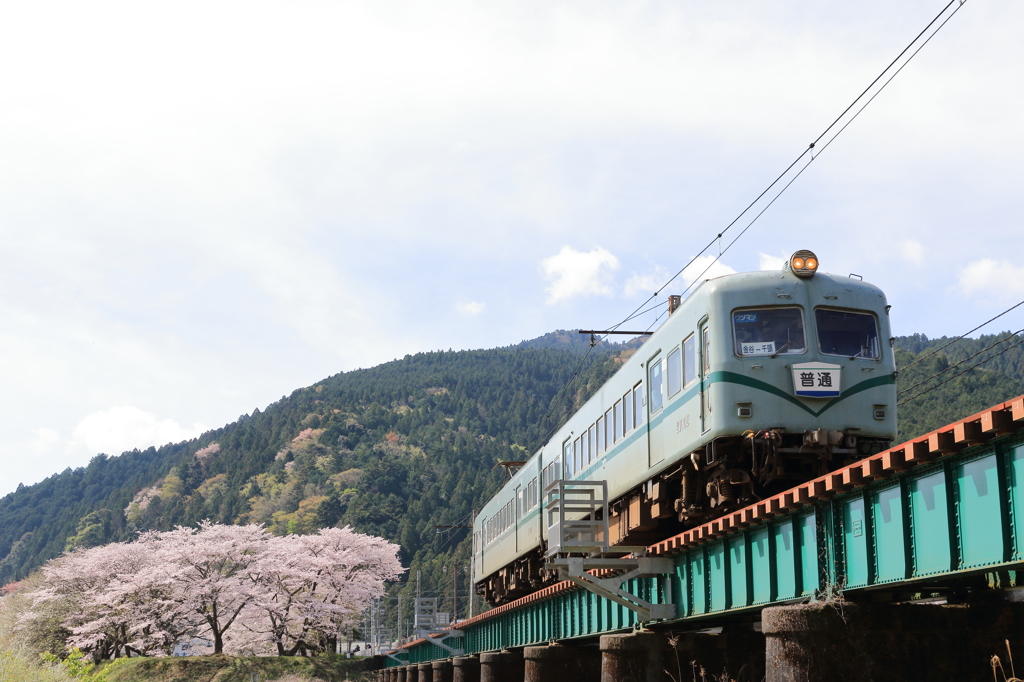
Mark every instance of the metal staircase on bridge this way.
pixel 578 547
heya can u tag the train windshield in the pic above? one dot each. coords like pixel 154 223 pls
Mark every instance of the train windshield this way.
pixel 853 335
pixel 768 331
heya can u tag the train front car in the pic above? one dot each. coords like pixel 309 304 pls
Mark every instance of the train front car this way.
pixel 798 379
pixel 756 382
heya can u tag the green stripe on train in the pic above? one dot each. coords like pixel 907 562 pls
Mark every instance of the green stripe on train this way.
pixel 734 378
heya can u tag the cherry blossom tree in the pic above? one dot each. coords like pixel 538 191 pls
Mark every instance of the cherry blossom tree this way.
pixel 211 573
pixel 239 586
pixel 316 584
pixel 100 596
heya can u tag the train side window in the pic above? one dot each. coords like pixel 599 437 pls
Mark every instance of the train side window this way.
pixel 638 405
pixel 618 420
pixel 609 428
pixel 627 413
pixel 599 442
pixel 707 352
pixel 577 454
pixel 591 444
pixel 656 373
pixel 689 360
pixel 673 374
pixel 568 459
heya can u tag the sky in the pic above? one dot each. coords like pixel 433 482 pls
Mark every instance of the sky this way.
pixel 204 206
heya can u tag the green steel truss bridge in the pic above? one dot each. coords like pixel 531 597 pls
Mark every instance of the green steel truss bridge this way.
pixel 930 516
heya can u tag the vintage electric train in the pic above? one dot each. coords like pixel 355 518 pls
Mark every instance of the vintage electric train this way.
pixel 755 382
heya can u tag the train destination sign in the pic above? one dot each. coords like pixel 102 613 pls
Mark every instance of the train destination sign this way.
pixel 817 380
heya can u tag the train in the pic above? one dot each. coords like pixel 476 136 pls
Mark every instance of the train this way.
pixel 755 382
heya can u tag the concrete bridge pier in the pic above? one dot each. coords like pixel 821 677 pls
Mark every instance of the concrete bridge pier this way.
pixel 402 673
pixel 561 663
pixel 442 670
pixel 501 666
pixel 425 672
pixel 466 669
pixel 638 657
pixel 649 656
pixel 847 642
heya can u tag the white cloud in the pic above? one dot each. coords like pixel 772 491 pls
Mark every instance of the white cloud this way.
pixel 577 273
pixel 44 439
pixel 913 251
pixel 123 428
pixel 768 262
pixel 470 308
pixel 705 267
pixel 996 279
pixel 648 283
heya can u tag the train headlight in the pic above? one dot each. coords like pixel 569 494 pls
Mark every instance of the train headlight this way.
pixel 803 263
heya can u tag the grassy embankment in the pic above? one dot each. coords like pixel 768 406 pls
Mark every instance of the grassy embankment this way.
pixel 243 669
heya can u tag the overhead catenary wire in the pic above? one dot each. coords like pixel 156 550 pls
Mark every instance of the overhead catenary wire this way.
pixel 809 150
pixel 952 367
pixel 942 383
pixel 952 341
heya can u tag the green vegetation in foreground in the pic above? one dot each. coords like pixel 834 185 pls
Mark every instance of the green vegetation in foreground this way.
pixel 243 669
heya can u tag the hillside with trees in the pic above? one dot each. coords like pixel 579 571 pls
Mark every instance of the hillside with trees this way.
pixel 392 451
pixel 405 451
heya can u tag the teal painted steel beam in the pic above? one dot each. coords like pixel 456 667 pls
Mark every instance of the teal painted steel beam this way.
pixel 959 515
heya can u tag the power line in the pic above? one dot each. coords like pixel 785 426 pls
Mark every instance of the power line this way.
pixel 942 383
pixel 639 310
pixel 952 367
pixel 810 148
pixel 952 341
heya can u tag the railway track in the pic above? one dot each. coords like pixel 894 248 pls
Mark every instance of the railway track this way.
pixel 928 514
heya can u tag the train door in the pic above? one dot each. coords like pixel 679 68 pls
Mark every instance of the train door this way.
pixel 705 370
pixel 517 510
pixel 655 404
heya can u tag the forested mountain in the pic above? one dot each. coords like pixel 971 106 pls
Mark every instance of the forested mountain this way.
pixel 393 450
pixel 948 397
pixel 396 450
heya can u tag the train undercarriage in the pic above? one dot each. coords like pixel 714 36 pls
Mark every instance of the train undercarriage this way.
pixel 724 475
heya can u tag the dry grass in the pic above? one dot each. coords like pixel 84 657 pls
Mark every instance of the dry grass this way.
pixel 997 665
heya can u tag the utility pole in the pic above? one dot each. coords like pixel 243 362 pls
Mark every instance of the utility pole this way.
pixel 418 572
pixel 455 593
pixel 398 622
